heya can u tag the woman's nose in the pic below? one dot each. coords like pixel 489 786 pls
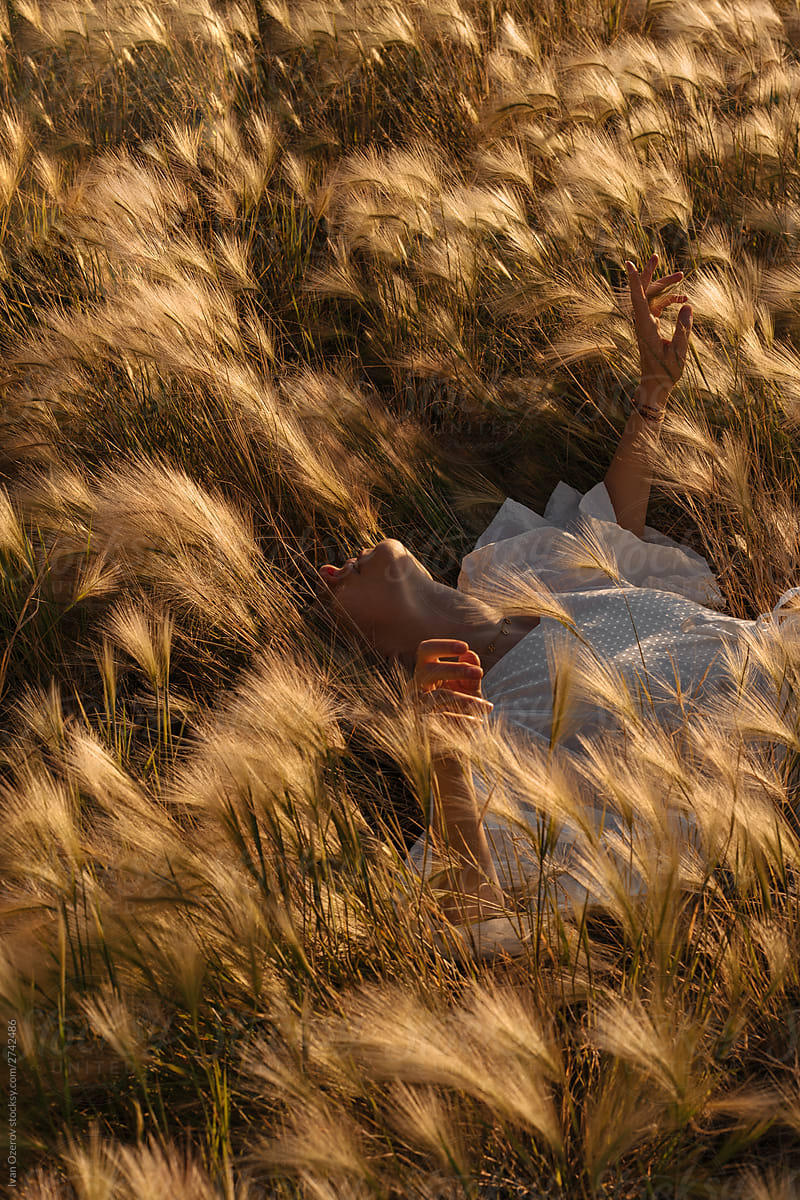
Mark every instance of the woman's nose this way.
pixel 329 572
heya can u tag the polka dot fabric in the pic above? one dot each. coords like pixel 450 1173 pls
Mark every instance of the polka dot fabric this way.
pixel 653 631
pixel 658 643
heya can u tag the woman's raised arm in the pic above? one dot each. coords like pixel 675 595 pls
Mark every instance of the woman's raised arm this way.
pixel 629 476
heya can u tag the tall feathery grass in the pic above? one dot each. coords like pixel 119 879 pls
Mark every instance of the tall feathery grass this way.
pixel 277 279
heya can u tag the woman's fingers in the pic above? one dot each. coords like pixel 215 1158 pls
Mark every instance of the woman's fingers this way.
pixel 647 273
pixel 652 290
pixel 660 305
pixel 662 362
pixel 433 648
pixel 655 289
pixel 462 674
pixel 680 339
pixel 435 674
pixel 449 692
pixel 641 308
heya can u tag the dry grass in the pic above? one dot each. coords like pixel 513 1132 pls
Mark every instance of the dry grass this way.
pixel 276 279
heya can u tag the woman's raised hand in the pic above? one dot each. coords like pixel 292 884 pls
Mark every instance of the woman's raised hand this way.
pixel 662 361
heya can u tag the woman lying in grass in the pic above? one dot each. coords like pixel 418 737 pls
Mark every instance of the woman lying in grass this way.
pixel 636 601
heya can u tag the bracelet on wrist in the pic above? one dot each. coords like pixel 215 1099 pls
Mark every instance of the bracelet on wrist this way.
pixel 648 412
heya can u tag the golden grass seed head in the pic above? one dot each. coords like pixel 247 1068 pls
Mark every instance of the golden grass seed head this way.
pixel 446 19
pixel 130 830
pixel 426 1118
pixel 523 592
pixel 508 1017
pixel 667 197
pixel 264 133
pixel 456 264
pixel 632 62
pixel 729 298
pixel 780 288
pixel 340 278
pixel 779 81
pixel 15 137
pixel 602 167
pixel 262 754
pixel 49 174
pixel 780 218
pixel 650 123
pixel 233 262
pixel 775 942
pixel 681 66
pixel 514 37
pixel 91 1166
pixel 723 27
pixel 111 1020
pixel 520 90
pixel 148 641
pixel 505 160
pixel 389 25
pixel 13 540
pixel 319 1136
pixel 592 92
pixel 662 1045
pixel 475 209
pixel 396 1036
pixel 41 839
pixel 774 1183
pixel 151 1169
pixel 40 716
pixel 415 173
pixel 118 192
pixel 620 1117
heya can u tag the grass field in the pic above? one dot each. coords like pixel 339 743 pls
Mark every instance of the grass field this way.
pixel 276 279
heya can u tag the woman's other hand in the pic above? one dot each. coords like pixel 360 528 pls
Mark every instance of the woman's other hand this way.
pixel 447 681
pixel 449 664
pixel 661 361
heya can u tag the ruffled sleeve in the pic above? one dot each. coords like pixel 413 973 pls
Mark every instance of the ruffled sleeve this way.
pixel 578 545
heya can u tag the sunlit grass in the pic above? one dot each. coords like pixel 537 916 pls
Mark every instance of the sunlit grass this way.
pixel 277 279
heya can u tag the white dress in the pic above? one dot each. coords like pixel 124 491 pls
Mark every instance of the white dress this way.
pixel 647 612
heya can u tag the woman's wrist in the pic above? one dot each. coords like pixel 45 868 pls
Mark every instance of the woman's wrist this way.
pixel 450 766
pixel 466 894
pixel 650 402
pixel 653 392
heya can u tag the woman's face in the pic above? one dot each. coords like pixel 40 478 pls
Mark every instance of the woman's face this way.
pixel 376 590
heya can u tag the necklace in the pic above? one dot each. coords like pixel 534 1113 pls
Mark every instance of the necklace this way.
pixel 502 630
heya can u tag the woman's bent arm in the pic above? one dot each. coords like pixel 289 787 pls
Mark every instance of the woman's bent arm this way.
pixel 447 679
